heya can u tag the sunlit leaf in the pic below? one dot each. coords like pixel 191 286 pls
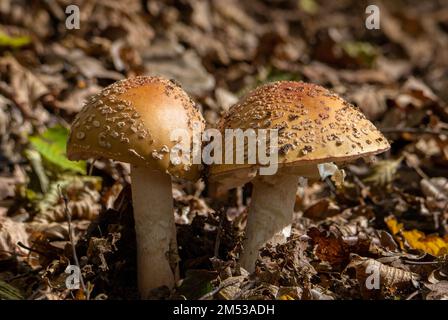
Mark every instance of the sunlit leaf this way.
pixel 362 51
pixel 393 225
pixel 286 297
pixel 52 145
pixel 416 239
pixel 14 42
pixel 309 6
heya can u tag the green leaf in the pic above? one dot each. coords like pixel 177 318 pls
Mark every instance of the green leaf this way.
pixel 279 75
pixel 309 6
pixel 364 52
pixel 14 42
pixel 197 283
pixel 52 145
pixel 8 292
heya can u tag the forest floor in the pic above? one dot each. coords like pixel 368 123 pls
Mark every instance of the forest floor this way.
pixel 390 214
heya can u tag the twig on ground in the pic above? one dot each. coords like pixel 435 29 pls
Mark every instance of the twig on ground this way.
pixel 20 244
pixel 421 262
pixel 72 242
pixel 219 288
pixel 218 234
pixel 330 185
pixel 412 295
pixel 92 165
pixel 24 109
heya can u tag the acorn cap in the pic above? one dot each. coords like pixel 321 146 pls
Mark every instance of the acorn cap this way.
pixel 132 120
pixel 314 126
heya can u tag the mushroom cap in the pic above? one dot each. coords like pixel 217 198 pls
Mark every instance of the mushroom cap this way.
pixel 132 120
pixel 314 126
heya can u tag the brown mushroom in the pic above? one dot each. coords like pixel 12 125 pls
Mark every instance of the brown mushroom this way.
pixel 315 127
pixel 132 121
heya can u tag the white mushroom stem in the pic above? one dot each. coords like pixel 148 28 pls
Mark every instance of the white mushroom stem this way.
pixel 155 229
pixel 270 215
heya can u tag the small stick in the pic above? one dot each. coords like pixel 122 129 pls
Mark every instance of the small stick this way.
pixel 9 94
pixel 91 167
pixel 20 244
pixel 72 242
pixel 219 288
pixel 421 262
pixel 419 171
pixel 412 295
pixel 218 234
pixel 330 185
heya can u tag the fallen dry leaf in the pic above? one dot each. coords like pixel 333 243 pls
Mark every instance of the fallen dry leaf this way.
pixel 11 233
pixel 390 280
pixel 416 239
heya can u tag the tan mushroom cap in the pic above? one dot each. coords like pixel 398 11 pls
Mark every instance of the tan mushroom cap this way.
pixel 131 121
pixel 315 126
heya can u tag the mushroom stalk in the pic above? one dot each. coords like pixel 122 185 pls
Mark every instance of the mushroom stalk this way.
pixel 270 215
pixel 155 229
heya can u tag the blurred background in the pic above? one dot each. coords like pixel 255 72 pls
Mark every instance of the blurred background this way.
pixel 50 62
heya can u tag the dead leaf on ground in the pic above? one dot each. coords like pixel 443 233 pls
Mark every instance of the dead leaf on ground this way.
pixel 185 67
pixel 380 280
pixel 432 244
pixel 11 233
pixel 439 291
